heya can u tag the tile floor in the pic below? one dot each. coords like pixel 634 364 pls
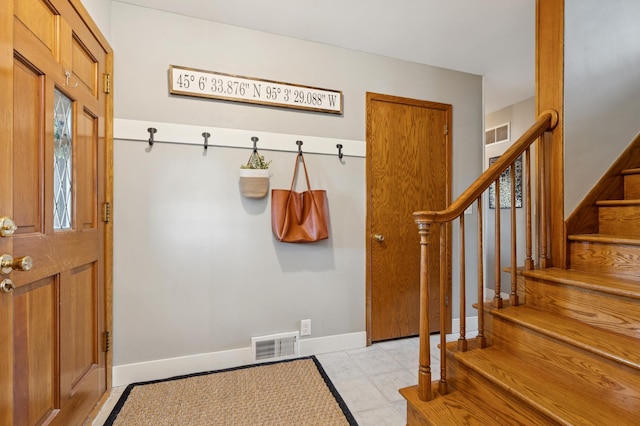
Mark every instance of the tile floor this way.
pixel 368 380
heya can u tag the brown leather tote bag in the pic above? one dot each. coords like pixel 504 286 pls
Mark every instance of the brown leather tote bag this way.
pixel 299 217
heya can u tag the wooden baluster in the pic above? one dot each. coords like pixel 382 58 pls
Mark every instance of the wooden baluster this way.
pixel 497 299
pixel 424 370
pixel 528 262
pixel 513 296
pixel 462 340
pixel 480 339
pixel 442 386
pixel 542 203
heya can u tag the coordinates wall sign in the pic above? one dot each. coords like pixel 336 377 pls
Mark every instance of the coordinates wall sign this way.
pixel 215 85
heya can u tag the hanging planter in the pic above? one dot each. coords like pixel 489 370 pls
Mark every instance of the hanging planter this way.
pixel 254 176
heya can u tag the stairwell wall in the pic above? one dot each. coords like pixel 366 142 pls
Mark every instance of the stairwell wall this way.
pixel 602 89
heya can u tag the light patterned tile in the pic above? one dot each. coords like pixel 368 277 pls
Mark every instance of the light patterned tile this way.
pixel 393 344
pixel 389 384
pixel 408 356
pixel 383 416
pixel 360 394
pixel 375 362
pixel 400 407
pixel 341 368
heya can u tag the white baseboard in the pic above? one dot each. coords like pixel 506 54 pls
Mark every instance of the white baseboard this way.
pixel 471 326
pixel 162 368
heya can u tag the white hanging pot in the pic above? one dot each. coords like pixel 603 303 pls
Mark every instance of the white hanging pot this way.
pixel 254 183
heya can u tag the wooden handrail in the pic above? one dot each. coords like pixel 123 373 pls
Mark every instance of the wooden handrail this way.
pixel 426 219
pixel 546 121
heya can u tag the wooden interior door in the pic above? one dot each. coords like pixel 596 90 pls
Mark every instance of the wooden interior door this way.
pixel 408 169
pixel 55 165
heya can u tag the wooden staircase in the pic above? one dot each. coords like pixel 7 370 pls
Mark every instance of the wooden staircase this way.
pixel 571 354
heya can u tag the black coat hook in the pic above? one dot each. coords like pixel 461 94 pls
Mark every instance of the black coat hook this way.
pixel 206 136
pixel 340 154
pixel 299 143
pixel 152 131
pixel 255 142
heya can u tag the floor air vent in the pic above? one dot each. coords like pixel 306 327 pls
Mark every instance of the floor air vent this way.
pixel 275 347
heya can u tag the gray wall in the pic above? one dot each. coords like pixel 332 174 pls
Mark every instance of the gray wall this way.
pixel 196 269
pixel 602 89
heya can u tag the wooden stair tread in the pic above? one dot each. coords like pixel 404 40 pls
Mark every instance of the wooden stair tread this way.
pixel 616 347
pixel 601 238
pixel 615 285
pixel 607 203
pixel 546 393
pixel 633 171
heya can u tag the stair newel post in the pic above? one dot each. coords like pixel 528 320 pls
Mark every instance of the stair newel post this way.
pixel 528 261
pixel 444 280
pixel 481 338
pixel 497 298
pixel 462 340
pixel 424 370
pixel 513 296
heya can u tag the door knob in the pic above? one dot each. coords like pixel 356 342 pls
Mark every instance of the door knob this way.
pixel 6 285
pixel 8 263
pixel 378 237
pixel 7 226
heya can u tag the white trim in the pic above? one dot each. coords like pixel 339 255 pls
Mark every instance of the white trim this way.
pixel 183 134
pixel 162 368
pixel 471 326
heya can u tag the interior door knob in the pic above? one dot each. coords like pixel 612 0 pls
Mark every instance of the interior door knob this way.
pixel 6 285
pixel 7 226
pixel 24 263
pixel 8 263
pixel 378 237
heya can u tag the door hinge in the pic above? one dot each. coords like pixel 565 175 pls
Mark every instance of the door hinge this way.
pixel 107 341
pixel 446 300
pixel 446 129
pixel 106 212
pixel 106 87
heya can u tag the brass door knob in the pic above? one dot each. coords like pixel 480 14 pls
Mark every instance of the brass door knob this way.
pixel 6 285
pixel 8 263
pixel 7 226
pixel 24 263
pixel 378 237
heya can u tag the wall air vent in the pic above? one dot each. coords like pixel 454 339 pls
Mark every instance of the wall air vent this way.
pixel 275 347
pixel 500 133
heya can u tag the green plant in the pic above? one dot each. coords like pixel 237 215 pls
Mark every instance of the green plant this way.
pixel 256 161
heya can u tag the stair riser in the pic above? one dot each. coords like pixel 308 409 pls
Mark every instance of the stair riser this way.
pixel 632 187
pixel 609 312
pixel 623 221
pixel 612 259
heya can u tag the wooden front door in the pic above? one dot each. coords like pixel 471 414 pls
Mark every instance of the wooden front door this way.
pixel 55 163
pixel 408 169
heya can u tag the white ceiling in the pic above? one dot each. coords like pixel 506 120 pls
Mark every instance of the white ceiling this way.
pixel 492 38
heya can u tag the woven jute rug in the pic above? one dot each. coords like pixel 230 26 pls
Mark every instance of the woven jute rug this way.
pixel 293 392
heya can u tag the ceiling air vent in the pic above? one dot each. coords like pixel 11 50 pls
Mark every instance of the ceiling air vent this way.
pixel 275 347
pixel 498 134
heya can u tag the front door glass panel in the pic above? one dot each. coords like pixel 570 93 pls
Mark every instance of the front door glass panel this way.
pixel 62 153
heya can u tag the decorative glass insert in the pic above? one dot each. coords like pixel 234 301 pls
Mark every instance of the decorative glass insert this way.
pixel 62 154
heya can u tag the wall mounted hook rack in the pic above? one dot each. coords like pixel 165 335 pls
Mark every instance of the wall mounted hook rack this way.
pixel 340 154
pixel 254 139
pixel 299 143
